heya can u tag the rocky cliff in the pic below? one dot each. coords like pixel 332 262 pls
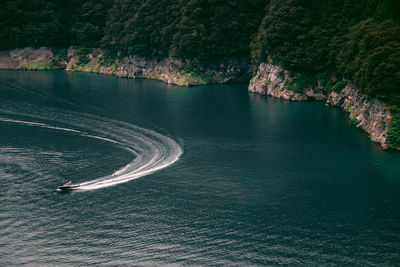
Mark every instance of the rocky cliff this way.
pixel 14 59
pixel 170 70
pixel 371 115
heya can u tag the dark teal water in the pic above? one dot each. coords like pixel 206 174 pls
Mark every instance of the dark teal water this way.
pixel 260 182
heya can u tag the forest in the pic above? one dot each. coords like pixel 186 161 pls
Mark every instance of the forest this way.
pixel 356 40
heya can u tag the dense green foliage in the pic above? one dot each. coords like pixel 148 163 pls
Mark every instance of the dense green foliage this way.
pixel 57 23
pixel 371 58
pixel 357 40
pixel 201 29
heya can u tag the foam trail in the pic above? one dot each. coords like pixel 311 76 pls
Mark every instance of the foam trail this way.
pixel 152 151
pixel 43 125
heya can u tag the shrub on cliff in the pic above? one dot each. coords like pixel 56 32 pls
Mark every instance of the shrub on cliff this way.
pixel 394 130
pixel 370 57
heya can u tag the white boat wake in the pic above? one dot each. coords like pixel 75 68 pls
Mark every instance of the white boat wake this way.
pixel 152 151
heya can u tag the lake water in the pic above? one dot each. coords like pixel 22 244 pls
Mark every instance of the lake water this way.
pixel 208 175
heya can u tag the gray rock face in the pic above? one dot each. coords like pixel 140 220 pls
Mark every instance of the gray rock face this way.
pixel 169 70
pixel 12 59
pixel 270 80
pixel 369 114
pixel 6 62
pixel 29 54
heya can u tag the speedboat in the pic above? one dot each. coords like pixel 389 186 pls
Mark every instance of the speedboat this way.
pixel 67 186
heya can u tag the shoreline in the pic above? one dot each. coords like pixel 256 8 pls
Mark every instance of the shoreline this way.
pixel 369 114
pixel 169 70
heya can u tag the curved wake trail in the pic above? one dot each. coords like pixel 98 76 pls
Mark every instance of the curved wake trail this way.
pixel 152 150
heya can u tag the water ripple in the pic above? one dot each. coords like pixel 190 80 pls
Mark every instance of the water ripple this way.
pixel 152 151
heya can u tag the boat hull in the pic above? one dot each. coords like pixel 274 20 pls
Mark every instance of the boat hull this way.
pixel 67 187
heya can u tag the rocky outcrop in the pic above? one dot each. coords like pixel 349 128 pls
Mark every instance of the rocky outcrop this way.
pixel 371 115
pixel 31 55
pixel 271 80
pixel 17 57
pixel 169 70
pixel 6 62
